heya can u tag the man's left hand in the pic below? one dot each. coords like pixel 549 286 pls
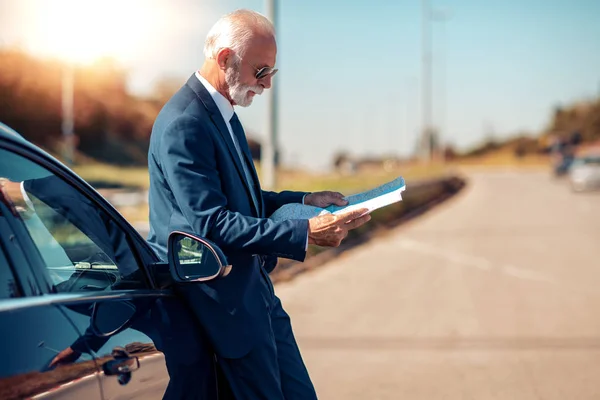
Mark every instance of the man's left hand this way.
pixel 67 356
pixel 324 199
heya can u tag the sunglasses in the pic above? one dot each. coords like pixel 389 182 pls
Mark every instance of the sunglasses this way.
pixel 263 72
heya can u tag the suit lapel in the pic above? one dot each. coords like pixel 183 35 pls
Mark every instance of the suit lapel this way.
pixel 219 122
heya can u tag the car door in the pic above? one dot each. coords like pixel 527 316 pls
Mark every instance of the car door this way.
pixel 32 330
pixel 91 265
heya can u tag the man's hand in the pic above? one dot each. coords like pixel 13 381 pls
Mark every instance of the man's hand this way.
pixel 329 230
pixel 324 199
pixel 12 193
pixel 67 356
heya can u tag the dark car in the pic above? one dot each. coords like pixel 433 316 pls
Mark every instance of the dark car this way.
pixel 87 310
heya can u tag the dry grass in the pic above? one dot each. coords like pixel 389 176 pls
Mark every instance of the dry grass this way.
pixel 312 181
pixel 504 158
pixel 287 180
pixel 127 176
pixel 362 180
pixel 290 180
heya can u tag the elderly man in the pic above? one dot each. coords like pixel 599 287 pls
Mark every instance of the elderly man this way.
pixel 202 180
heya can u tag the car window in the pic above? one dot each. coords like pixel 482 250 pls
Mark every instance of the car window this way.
pixel 82 247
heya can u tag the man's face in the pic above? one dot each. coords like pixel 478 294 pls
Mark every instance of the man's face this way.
pixel 241 73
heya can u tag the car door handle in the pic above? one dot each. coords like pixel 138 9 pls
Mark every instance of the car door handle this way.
pixel 121 366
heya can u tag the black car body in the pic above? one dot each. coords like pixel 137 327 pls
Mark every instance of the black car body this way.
pixel 84 313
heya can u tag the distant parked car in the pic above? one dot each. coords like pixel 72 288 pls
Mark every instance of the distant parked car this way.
pixel 584 173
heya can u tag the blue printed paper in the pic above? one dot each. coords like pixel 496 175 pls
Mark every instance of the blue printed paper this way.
pixel 370 200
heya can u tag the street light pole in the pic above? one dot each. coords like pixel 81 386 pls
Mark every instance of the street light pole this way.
pixel 412 98
pixel 68 115
pixel 441 16
pixel 269 145
pixel 426 81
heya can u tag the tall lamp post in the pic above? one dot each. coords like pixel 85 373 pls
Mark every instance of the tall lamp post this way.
pixel 426 81
pixel 427 129
pixel 269 146
pixel 441 16
pixel 68 114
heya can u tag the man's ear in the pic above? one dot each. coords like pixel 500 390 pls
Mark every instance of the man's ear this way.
pixel 223 56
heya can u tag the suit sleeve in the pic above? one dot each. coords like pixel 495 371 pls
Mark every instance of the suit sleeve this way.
pixel 187 158
pixel 274 200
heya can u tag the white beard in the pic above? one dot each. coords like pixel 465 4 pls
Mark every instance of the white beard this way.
pixel 239 92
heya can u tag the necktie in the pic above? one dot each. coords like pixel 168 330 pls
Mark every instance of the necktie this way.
pixel 241 145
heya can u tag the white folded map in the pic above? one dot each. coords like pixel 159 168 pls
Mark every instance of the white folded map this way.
pixel 370 200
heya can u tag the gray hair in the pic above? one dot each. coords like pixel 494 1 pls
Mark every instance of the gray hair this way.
pixel 234 30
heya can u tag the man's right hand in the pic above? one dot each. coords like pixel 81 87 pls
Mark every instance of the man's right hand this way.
pixel 11 191
pixel 329 230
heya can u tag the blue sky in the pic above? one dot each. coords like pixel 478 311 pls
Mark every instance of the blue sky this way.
pixel 350 70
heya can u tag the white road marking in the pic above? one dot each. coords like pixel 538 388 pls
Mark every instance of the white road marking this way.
pixel 468 260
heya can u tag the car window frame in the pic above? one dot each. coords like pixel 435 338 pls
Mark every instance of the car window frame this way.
pixel 142 252
pixel 18 258
pixel 7 240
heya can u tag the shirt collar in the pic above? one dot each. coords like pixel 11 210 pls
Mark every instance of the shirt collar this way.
pixel 222 103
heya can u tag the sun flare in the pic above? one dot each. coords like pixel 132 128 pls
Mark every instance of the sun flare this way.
pixel 82 31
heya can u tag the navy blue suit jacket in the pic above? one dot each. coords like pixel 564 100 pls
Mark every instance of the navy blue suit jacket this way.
pixel 197 185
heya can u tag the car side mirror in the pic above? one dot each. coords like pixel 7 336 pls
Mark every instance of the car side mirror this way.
pixel 194 259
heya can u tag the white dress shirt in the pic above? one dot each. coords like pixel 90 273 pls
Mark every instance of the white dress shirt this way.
pixel 222 103
pixel 28 201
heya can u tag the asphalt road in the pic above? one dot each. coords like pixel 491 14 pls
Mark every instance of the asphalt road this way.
pixel 492 295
